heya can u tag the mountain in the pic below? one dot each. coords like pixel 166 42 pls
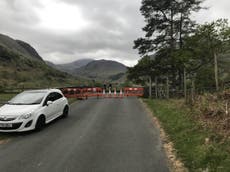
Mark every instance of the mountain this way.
pixel 18 47
pixel 21 65
pixel 102 70
pixel 30 50
pixel 99 70
pixel 70 67
pixel 51 64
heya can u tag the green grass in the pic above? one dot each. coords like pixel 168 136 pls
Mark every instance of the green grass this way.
pixel 189 137
pixel 5 97
pixel 72 100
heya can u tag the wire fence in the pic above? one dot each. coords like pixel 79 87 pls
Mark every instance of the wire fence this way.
pixel 162 92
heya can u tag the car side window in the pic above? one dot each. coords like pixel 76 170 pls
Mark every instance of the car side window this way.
pixel 50 97
pixel 53 97
pixel 58 96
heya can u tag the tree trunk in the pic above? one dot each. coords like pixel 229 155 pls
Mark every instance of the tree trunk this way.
pixel 216 71
pixel 181 25
pixel 167 87
pixel 156 96
pixel 193 92
pixel 185 85
pixel 150 87
pixel 172 29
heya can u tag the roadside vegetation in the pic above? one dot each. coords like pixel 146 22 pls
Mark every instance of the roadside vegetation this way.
pixel 6 96
pixel 72 100
pixel 199 146
pixel 185 65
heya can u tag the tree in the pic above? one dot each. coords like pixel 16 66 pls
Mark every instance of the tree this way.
pixel 167 23
pixel 144 71
pixel 214 38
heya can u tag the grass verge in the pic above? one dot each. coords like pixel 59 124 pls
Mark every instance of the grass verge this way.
pixel 5 97
pixel 199 149
pixel 72 100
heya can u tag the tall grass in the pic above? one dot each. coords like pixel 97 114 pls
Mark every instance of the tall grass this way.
pixel 199 148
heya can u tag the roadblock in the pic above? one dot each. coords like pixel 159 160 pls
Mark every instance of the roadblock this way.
pixel 86 92
pixel 134 91
pixel 82 92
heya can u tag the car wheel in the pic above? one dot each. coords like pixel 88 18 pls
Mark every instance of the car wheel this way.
pixel 65 112
pixel 40 123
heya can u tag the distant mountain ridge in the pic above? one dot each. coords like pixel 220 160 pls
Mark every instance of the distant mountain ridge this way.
pixel 69 67
pixel 102 70
pixel 99 70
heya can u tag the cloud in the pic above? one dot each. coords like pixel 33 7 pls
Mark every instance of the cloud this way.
pixel 215 10
pixel 66 30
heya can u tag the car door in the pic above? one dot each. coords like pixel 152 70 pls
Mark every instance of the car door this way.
pixel 59 103
pixel 51 109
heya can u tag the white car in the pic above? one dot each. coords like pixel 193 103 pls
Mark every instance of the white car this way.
pixel 32 109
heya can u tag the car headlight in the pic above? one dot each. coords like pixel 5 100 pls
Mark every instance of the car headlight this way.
pixel 25 116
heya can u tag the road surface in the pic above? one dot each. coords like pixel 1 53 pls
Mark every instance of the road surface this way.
pixel 105 135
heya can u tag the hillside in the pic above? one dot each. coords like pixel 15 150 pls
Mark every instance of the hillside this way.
pixel 18 47
pixel 22 66
pixel 30 50
pixel 102 70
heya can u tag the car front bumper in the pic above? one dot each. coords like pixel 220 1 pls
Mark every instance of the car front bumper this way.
pixel 17 125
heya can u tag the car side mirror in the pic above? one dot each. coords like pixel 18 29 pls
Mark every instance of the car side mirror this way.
pixel 49 103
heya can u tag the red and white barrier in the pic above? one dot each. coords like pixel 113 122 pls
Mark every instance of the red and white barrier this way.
pixel 100 92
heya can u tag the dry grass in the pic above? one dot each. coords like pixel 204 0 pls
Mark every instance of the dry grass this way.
pixel 198 146
pixel 214 112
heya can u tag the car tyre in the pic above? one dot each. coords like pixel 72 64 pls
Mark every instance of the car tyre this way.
pixel 65 112
pixel 40 123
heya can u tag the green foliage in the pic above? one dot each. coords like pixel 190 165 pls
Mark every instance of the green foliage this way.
pixel 167 22
pixel 209 39
pixel 140 72
pixel 189 138
pixel 117 76
pixel 205 78
pixel 195 55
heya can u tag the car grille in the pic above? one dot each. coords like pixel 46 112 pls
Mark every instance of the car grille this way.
pixel 14 126
pixel 7 118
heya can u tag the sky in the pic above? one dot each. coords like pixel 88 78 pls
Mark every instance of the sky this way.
pixel 63 31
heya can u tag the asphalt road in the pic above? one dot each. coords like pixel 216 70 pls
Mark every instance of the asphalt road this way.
pixel 105 135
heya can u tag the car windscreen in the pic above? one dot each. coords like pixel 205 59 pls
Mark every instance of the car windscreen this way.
pixel 27 98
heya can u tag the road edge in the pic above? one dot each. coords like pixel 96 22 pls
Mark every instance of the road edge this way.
pixel 175 164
